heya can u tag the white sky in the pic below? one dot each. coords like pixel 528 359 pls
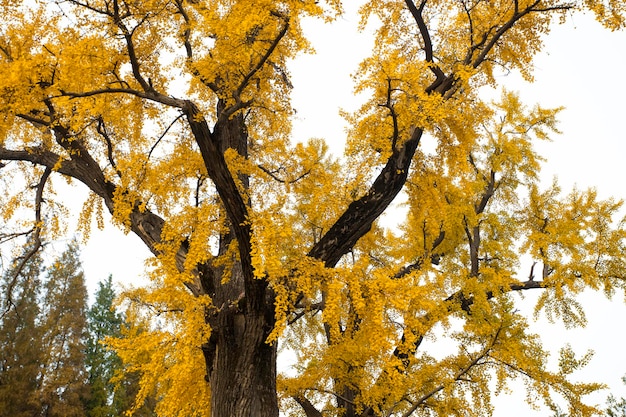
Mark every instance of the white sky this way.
pixel 581 68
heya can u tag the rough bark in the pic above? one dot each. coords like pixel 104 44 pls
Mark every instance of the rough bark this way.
pixel 241 365
pixel 357 220
pixel 243 374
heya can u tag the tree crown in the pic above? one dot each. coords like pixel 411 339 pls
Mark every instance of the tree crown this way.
pixel 175 114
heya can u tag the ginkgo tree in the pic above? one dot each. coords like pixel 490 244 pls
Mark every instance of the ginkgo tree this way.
pixel 175 115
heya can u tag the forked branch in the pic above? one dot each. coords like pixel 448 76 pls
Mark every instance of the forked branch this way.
pixel 417 12
pixel 487 44
pixel 459 376
pixel 226 113
pixel 34 241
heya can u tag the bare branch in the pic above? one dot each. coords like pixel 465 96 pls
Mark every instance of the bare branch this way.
pixel 35 240
pixel 102 131
pixel 150 95
pixel 470 22
pixel 459 376
pixel 273 175
pixel 167 129
pixel 417 13
pixel 35 121
pixel 187 31
pixel 6 237
pixel 392 112
pixel 86 5
pixel 130 48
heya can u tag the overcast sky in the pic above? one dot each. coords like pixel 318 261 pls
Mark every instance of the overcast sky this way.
pixel 582 68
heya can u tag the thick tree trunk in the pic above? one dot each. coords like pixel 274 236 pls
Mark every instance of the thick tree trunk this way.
pixel 243 380
pixel 241 365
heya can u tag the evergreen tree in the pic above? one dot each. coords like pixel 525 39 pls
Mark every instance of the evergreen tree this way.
pixel 20 339
pixel 616 407
pixel 108 398
pixel 103 321
pixel 64 376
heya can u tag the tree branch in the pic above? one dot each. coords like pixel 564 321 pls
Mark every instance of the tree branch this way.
pixel 424 32
pixel 466 302
pixel 87 6
pixel 308 408
pixel 82 167
pixel 149 95
pixel 265 57
pixel 459 376
pixel 487 46
pixel 238 105
pixel 130 48
pixel 416 266
pixel 234 204
pixel 187 31
pixel 487 194
pixel 273 175
pixel 357 219
pixel 102 131
pixel 35 240
pixel 186 35
pixel 458 299
pixel 393 114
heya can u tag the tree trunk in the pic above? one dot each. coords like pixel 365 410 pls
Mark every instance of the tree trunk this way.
pixel 243 380
pixel 241 366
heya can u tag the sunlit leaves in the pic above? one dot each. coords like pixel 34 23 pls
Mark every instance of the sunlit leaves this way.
pixel 148 104
pixel 163 348
pixel 610 13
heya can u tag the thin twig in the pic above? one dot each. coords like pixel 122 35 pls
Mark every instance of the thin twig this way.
pixel 35 241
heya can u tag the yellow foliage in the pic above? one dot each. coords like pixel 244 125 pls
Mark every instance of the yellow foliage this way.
pixel 176 116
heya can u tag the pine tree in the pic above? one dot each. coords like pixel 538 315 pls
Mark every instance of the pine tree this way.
pixel 65 379
pixel 108 397
pixel 103 321
pixel 20 345
pixel 112 391
pixel 616 407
